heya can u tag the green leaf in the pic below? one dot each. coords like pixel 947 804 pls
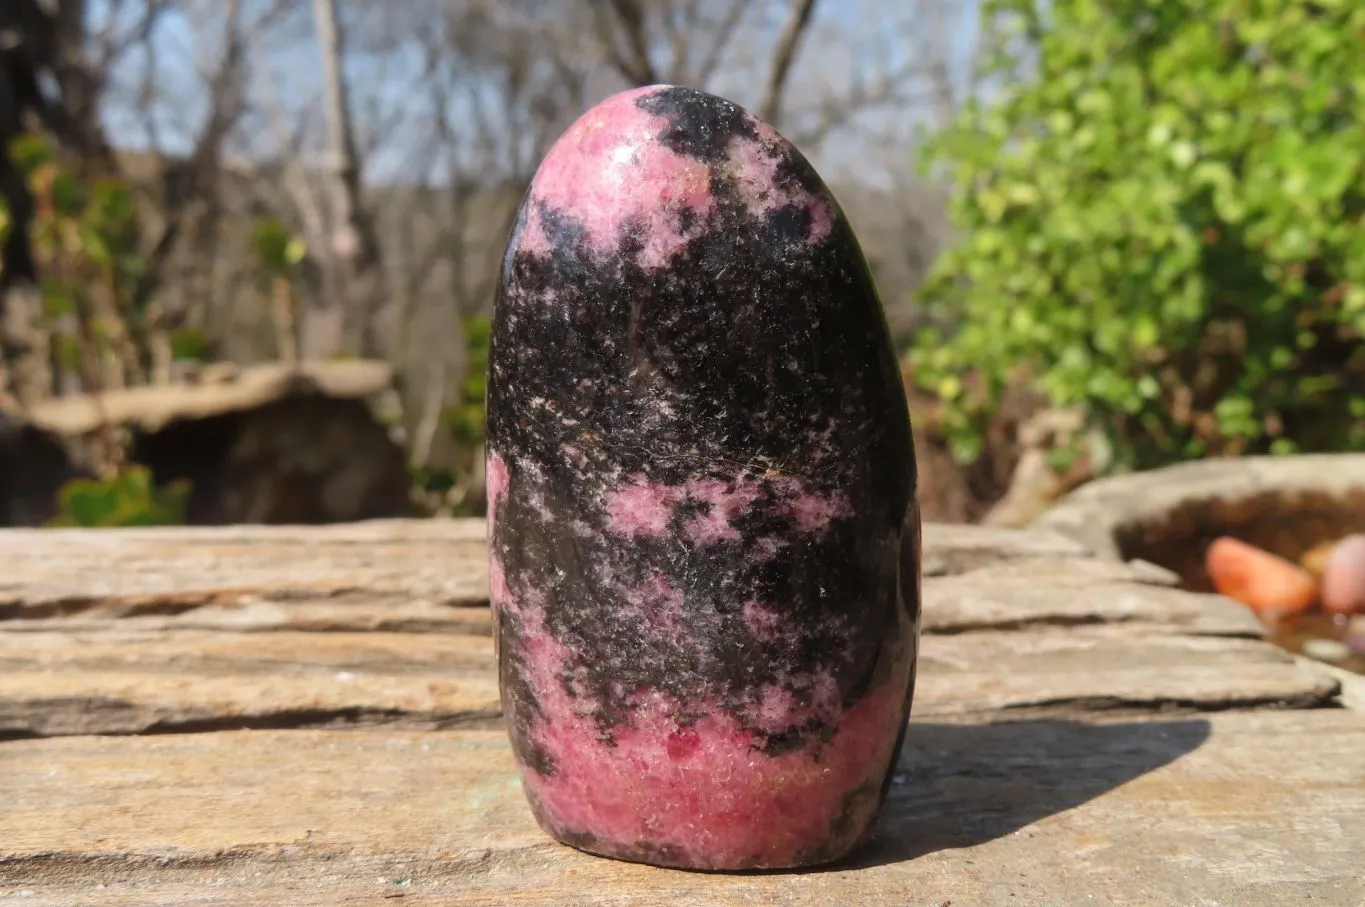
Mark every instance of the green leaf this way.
pixel 295 251
pixel 112 202
pixel 128 499
pixel 276 248
pixel 1158 202
pixel 95 246
pixel 68 196
pixel 190 345
pixel 30 151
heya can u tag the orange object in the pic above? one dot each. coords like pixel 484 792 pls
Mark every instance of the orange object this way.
pixel 1258 579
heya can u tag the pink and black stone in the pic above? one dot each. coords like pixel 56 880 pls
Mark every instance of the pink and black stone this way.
pixel 701 485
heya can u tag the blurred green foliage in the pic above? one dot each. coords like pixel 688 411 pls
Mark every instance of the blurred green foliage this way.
pixel 191 345
pixel 456 479
pixel 85 238
pixel 466 418
pixel 130 498
pixel 85 235
pixel 1163 216
pixel 434 479
pixel 277 249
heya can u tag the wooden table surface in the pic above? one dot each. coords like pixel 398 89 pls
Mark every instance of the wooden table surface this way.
pixel 309 716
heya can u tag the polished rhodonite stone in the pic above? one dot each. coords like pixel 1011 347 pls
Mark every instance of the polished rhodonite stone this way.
pixel 701 488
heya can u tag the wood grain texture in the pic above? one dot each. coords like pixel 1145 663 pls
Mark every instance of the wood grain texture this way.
pixel 167 681
pixel 50 573
pixel 1073 592
pixel 309 716
pixel 1226 808
pixel 984 674
pixel 172 570
pixel 161 681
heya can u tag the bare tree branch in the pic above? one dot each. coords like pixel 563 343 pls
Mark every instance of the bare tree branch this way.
pixel 188 183
pixel 834 111
pixel 112 45
pixel 720 38
pixel 625 18
pixel 798 20
pixel 297 184
pixel 353 242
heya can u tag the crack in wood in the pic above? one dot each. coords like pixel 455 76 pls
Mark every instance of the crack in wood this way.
pixel 349 718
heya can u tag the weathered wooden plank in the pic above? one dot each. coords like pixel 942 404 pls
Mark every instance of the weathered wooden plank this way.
pixel 164 571
pixel 1069 592
pixel 158 681
pixel 418 575
pixel 129 683
pixel 342 613
pixel 950 548
pixel 1250 808
pixel 1352 694
pixel 1076 671
pixel 94 702
pixel 238 654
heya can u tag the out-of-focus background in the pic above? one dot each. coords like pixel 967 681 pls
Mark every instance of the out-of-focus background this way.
pixel 250 245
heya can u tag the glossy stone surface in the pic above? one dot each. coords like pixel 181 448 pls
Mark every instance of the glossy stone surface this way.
pixel 704 536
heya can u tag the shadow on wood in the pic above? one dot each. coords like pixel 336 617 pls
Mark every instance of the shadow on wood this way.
pixel 965 785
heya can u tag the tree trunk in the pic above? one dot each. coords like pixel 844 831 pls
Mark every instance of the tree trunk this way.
pixel 354 247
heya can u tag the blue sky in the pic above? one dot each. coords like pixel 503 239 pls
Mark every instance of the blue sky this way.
pixel 385 83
